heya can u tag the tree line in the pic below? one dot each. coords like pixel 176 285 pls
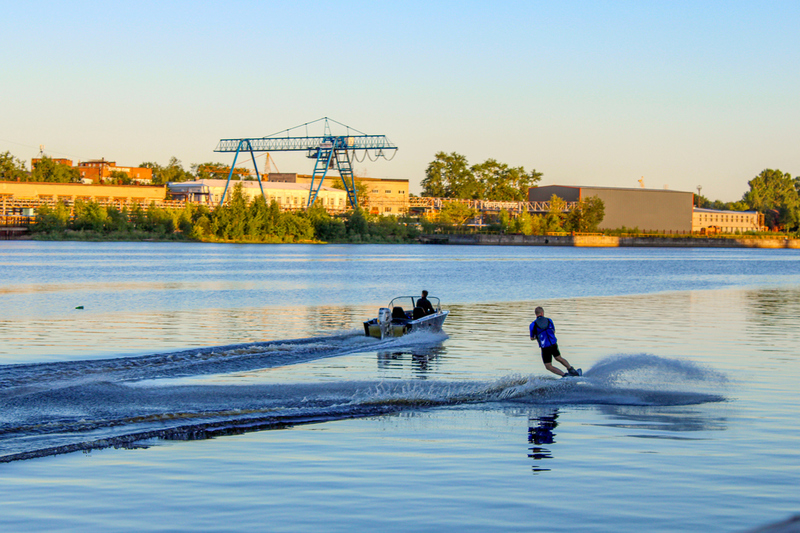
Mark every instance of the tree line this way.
pixel 240 220
pixel 451 176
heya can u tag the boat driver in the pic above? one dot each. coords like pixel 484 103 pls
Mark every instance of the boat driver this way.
pixel 424 304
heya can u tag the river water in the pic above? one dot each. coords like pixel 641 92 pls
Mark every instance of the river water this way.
pixel 176 387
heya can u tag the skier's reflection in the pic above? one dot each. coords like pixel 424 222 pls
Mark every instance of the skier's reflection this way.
pixel 540 431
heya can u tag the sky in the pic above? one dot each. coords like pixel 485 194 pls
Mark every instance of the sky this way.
pixel 679 94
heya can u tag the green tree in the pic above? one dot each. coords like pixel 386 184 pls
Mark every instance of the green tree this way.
pixel 294 227
pixel 504 219
pixel 449 176
pixel 47 170
pixel 326 227
pixel 554 220
pixel 456 213
pixel 160 220
pixel 586 216
pixel 117 220
pixel 11 168
pixel 701 201
pixel 258 220
pixel 775 194
pixel 89 216
pixel 120 178
pixel 212 170
pixel 362 191
pixel 500 182
pixel 173 172
pixel 51 219
pixel 230 219
pixel 356 224
pixel 138 217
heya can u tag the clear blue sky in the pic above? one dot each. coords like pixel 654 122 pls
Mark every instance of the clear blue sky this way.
pixel 589 93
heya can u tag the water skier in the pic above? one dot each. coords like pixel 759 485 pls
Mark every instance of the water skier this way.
pixel 544 331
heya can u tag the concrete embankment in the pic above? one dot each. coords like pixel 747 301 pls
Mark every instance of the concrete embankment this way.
pixel 606 241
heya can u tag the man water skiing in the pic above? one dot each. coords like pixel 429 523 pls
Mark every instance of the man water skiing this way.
pixel 544 331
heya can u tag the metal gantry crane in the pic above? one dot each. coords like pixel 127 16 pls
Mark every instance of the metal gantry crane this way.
pixel 330 151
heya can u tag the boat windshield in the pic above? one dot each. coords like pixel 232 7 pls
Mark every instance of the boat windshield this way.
pixel 408 303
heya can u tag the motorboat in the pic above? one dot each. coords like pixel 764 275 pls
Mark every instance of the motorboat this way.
pixel 404 316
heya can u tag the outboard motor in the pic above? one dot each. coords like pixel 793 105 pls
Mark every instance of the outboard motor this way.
pixel 385 321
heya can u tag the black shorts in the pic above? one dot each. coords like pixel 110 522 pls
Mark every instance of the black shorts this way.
pixel 548 352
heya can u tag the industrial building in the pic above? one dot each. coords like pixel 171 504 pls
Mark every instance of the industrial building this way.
pixel 37 192
pixel 289 196
pixel 384 196
pixel 24 197
pixel 650 210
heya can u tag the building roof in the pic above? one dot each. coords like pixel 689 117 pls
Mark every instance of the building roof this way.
pixel 721 211
pixel 247 184
pixel 597 187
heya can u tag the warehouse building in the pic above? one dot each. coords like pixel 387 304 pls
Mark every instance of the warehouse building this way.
pixel 385 196
pixel 36 193
pixel 650 210
pixel 289 196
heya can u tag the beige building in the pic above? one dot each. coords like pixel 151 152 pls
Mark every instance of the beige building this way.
pixel 289 196
pixel 717 221
pixel 33 194
pixel 384 196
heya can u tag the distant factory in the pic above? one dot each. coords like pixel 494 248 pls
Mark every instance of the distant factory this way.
pixel 653 210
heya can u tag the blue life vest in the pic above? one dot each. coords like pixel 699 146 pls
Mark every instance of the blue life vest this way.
pixel 545 337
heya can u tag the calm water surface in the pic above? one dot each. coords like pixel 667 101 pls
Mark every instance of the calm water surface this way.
pixel 189 358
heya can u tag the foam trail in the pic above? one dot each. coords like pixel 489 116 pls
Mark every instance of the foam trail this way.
pixel 22 379
pixel 96 414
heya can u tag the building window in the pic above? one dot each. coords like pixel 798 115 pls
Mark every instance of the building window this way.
pixel 388 191
pixel 376 191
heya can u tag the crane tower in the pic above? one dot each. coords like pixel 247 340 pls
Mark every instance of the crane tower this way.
pixel 329 150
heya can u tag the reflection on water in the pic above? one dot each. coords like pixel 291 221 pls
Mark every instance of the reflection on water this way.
pixel 769 304
pixel 659 419
pixel 540 432
pixel 424 358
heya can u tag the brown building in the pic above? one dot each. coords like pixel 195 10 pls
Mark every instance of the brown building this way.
pixel 100 170
pixel 654 210
pixel 61 161
pixel 384 196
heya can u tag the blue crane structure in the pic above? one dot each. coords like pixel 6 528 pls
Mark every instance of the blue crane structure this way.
pixel 328 149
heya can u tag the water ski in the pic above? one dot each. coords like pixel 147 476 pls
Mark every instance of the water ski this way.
pixel 578 370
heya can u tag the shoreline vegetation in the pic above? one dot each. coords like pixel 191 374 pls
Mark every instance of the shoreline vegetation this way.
pixel 239 221
pixel 773 193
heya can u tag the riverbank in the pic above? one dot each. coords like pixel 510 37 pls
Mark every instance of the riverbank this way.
pixel 608 241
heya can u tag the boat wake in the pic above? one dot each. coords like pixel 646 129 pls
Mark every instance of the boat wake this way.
pixel 48 409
